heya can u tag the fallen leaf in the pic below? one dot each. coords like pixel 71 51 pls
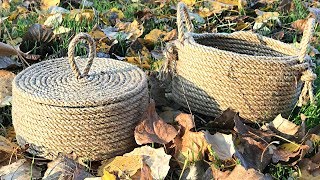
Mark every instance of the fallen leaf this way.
pixel 20 170
pixel 299 24
pixel 146 173
pixel 289 152
pixel 224 121
pixel 189 145
pixel 65 168
pixel 189 2
pixel 170 35
pixel 240 172
pixel 254 154
pixel 221 144
pixel 310 168
pixel 144 15
pixel 7 63
pixel 57 9
pixel 5 4
pixel 133 29
pixel 284 126
pixel 61 30
pixel 46 4
pixel 123 166
pixel 38 38
pixel 154 36
pixel 195 171
pixel 108 176
pixel 19 11
pixel 264 17
pixel 54 20
pixel 156 159
pixel 8 151
pixel 6 78
pixel 153 129
pixel 286 5
pixel 82 14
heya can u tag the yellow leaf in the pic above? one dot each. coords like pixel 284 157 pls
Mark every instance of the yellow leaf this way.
pixel 108 176
pixel 290 147
pixel 84 14
pixel 46 4
pixel 118 12
pixel 133 29
pixel 231 2
pixel 189 2
pixel 18 11
pixel 5 4
pixel 154 35
pixel 124 166
pixel 61 30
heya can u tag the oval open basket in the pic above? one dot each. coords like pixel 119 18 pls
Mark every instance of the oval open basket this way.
pixel 257 76
pixel 56 109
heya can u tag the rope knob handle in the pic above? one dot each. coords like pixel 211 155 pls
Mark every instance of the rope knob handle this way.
pixel 92 52
pixel 183 16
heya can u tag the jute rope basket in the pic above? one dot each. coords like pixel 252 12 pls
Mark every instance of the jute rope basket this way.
pixel 258 76
pixel 57 109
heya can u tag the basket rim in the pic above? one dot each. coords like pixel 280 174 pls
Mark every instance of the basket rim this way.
pixel 191 39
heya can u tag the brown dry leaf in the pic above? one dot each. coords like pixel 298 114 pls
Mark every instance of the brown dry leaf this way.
pixel 7 50
pixel 254 154
pixel 46 4
pixel 310 168
pixel 6 78
pixel 153 129
pixel 224 121
pixel 8 151
pixel 284 126
pixel 299 24
pixel 139 54
pixel 20 170
pixel 146 173
pixel 289 152
pixel 156 159
pixel 190 145
pixel 38 38
pixel 240 172
pixel 222 144
pixel 144 15
pixel 65 168
pixel 154 36
pixel 286 5
pixel 170 35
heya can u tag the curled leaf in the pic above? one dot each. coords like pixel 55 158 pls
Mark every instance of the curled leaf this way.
pixel 153 129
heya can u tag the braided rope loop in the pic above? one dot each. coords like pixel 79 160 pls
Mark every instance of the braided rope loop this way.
pixel 307 76
pixel 91 56
pixel 183 19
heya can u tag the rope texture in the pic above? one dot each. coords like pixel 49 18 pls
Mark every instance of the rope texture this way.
pixel 255 75
pixel 94 117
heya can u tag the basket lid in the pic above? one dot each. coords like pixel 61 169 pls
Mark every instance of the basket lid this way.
pixel 103 81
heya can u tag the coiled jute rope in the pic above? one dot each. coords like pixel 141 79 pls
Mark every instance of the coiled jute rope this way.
pixel 56 108
pixel 258 76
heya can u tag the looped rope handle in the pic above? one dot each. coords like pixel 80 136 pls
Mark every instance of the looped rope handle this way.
pixel 307 75
pixel 92 52
pixel 307 34
pixel 183 19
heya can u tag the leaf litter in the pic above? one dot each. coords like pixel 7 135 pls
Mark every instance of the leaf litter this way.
pixel 176 144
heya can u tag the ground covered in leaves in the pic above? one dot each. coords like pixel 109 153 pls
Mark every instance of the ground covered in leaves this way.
pixel 174 143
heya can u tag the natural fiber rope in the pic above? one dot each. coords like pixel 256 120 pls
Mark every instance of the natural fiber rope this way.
pixel 57 109
pixel 92 52
pixel 256 75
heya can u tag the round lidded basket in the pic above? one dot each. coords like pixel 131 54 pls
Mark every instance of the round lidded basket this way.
pixel 56 109
pixel 258 76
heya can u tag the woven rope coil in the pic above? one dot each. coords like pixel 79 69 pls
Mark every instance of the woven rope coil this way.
pixel 258 76
pixel 56 108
